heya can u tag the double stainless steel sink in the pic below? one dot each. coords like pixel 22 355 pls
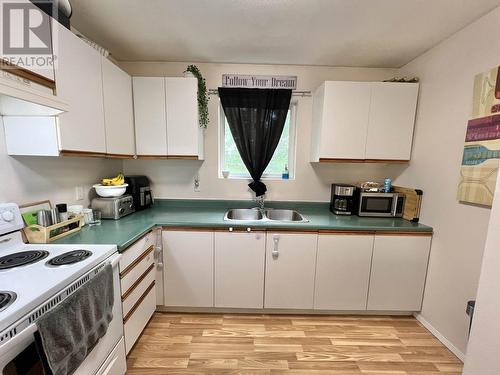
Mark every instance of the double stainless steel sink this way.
pixel 268 214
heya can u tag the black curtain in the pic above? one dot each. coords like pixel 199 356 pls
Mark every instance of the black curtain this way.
pixel 256 118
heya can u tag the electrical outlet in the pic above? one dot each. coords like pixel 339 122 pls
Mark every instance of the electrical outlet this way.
pixel 197 184
pixel 79 193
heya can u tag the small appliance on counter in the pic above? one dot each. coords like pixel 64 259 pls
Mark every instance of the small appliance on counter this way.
pixel 378 204
pixel 344 199
pixel 115 207
pixel 140 190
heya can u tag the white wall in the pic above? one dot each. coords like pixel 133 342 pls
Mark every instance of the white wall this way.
pixel 174 179
pixel 482 352
pixel 30 179
pixel 447 72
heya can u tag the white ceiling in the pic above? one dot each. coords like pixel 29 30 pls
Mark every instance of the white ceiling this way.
pixel 371 33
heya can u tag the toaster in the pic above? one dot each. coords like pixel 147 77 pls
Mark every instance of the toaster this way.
pixel 114 208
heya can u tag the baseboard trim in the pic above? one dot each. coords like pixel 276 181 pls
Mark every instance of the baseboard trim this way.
pixel 440 337
pixel 227 310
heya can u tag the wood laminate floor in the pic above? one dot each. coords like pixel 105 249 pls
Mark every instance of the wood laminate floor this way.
pixel 286 344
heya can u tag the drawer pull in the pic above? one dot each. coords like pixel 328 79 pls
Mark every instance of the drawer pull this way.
pixel 137 282
pixel 138 303
pixel 137 261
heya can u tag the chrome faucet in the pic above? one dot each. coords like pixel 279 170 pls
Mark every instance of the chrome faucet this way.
pixel 260 202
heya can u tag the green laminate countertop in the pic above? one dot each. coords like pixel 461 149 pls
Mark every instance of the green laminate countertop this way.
pixel 210 214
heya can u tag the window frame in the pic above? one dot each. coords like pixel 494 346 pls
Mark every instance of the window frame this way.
pixel 292 148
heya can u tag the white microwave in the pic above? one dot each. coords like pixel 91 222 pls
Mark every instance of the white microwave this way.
pixel 381 204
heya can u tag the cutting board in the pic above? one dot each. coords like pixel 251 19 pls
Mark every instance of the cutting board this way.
pixel 413 202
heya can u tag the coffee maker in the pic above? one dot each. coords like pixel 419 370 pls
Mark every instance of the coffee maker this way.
pixel 344 199
pixel 138 187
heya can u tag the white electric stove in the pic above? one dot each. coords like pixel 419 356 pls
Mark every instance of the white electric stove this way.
pixel 36 278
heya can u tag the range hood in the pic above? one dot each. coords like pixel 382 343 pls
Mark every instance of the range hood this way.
pixel 16 100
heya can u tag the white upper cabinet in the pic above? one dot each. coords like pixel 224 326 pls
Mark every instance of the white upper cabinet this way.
pixel 182 116
pixel 343 271
pixel 392 116
pixel 363 121
pixel 398 272
pixel 150 116
pixel 79 83
pixel 166 117
pixel 118 110
pixel 290 268
pixel 340 120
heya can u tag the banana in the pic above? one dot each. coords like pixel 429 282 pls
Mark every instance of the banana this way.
pixel 118 180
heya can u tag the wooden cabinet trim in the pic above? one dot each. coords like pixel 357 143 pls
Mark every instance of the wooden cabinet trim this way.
pixel 92 154
pixel 137 261
pixel 407 234
pixel 169 157
pixel 86 154
pixel 137 282
pixel 347 232
pixel 340 160
pixel 189 229
pixel 239 230
pixel 119 156
pixel 138 303
pixel 28 74
pixel 300 231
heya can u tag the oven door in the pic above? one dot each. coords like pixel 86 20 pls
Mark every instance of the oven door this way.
pixel 18 356
pixel 377 204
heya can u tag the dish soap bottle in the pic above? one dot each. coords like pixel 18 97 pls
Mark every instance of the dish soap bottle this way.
pixel 285 175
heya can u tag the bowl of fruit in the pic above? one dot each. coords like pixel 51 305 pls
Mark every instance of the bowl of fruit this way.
pixel 111 187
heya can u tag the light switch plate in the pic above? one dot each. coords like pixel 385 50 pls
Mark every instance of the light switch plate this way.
pixel 79 193
pixel 197 184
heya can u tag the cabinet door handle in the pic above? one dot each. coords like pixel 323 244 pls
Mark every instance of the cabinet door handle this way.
pixel 275 253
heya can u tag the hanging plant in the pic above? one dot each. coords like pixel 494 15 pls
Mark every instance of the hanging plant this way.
pixel 202 95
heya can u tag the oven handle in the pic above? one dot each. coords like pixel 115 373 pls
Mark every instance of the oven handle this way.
pixel 25 334
pixel 31 329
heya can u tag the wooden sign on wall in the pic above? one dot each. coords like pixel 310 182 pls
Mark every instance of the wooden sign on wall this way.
pixel 259 82
pixel 481 155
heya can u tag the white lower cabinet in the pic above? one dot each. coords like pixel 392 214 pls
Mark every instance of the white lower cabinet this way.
pixel 293 270
pixel 239 269
pixel 399 268
pixel 138 287
pixel 342 271
pixel 137 319
pixel 290 268
pixel 188 261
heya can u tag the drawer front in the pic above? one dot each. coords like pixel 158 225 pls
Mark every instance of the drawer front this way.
pixel 132 273
pixel 134 251
pixel 138 317
pixel 116 363
pixel 132 295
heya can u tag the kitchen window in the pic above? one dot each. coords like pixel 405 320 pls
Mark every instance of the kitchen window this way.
pixel 230 159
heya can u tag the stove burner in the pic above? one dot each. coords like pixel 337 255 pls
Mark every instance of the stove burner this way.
pixel 6 298
pixel 22 258
pixel 69 258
